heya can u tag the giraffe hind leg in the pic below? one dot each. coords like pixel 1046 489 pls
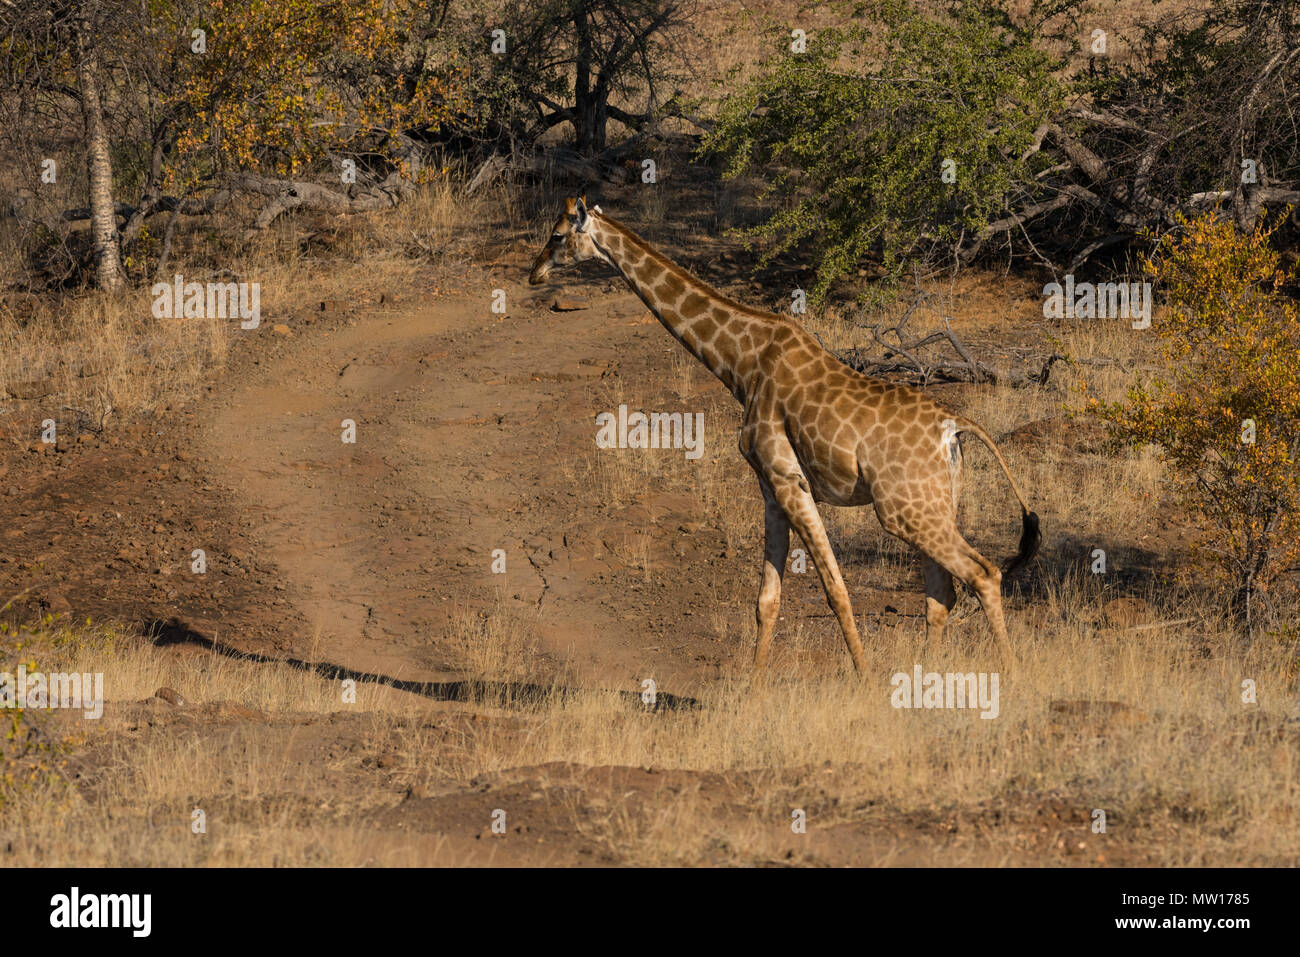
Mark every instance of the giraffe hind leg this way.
pixel 959 558
pixel 940 597
pixel 944 547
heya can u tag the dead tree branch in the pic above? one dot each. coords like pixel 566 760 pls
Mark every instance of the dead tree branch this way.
pixel 913 359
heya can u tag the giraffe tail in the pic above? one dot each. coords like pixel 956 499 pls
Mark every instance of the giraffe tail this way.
pixel 1030 536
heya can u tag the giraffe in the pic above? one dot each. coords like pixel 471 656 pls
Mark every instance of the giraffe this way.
pixel 813 430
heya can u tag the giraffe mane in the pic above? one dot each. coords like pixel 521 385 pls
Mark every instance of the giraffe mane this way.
pixel 686 275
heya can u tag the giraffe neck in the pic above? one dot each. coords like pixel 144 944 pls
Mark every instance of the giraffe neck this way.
pixel 724 335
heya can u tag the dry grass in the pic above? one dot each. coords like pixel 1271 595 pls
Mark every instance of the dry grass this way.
pixel 1189 755
pixel 98 355
pixel 102 355
pixel 726 488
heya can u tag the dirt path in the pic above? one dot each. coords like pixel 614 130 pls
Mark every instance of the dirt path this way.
pixel 465 430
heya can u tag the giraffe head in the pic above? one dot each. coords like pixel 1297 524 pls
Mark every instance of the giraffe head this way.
pixel 569 242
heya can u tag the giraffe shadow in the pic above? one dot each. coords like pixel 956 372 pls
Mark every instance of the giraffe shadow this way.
pixel 1129 571
pixel 162 633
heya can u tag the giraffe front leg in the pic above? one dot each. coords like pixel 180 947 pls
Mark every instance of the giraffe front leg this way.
pixel 796 501
pixel 776 549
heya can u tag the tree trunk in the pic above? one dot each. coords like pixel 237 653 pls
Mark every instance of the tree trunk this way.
pixel 589 114
pixel 103 217
pixel 592 119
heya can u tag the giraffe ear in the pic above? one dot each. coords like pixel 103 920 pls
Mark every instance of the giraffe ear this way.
pixel 580 214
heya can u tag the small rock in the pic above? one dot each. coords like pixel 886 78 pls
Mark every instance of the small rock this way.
pixel 560 304
pixel 171 696
pixel 280 329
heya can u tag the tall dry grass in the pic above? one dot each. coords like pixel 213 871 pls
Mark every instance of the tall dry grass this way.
pixel 103 355
pixel 1181 750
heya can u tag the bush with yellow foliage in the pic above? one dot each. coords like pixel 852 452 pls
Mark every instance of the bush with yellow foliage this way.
pixel 1226 415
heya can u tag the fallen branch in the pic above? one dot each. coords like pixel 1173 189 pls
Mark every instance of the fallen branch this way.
pixel 559 160
pixel 916 367
pixel 291 194
pixel 947 371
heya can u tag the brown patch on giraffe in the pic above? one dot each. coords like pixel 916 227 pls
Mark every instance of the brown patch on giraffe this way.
pixel 846 435
pixel 727 351
pixel 705 327
pixel 798 357
pixel 645 271
pixel 907 414
pixel 845 406
pixel 693 305
pixel 672 287
pixel 783 338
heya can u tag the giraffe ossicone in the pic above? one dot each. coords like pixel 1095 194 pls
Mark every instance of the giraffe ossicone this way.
pixel 813 430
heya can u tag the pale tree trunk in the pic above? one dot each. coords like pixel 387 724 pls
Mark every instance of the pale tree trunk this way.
pixel 103 219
